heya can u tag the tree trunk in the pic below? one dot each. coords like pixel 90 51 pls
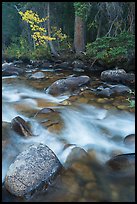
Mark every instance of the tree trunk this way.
pixel 79 35
pixel 54 52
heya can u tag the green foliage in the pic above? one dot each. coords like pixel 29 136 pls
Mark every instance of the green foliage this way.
pixel 81 9
pixel 110 49
pixel 131 101
pixel 19 48
pixel 41 52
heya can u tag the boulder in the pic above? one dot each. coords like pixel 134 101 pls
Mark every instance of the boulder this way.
pixel 33 169
pixel 117 75
pixel 68 85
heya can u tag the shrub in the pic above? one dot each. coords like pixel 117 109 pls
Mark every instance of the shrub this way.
pixel 18 48
pixel 110 49
pixel 41 52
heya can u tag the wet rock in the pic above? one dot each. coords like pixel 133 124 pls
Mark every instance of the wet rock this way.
pixel 106 92
pixel 76 154
pixel 6 130
pixel 113 75
pixel 65 103
pixel 122 107
pixel 17 62
pixel 108 106
pixel 78 64
pixel 102 100
pixel 37 75
pixel 36 63
pixel 45 103
pixel 87 94
pixel 11 70
pixel 20 126
pixel 69 180
pixel 83 100
pixel 65 65
pixel 73 98
pixel 78 70
pixel 129 140
pixel 83 171
pixel 68 85
pixel 112 90
pixel 29 66
pixel 50 119
pixel 92 154
pixel 120 89
pixel 97 195
pixel 33 168
pixel 118 75
pixel 91 185
pixel 116 152
pixel 130 79
pixel 123 163
pixel 46 110
pixel 6 65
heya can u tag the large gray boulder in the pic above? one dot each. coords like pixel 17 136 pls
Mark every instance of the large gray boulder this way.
pixel 31 170
pixel 113 75
pixel 68 85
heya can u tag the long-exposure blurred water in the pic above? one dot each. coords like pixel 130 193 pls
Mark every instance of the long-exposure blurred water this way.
pixel 86 125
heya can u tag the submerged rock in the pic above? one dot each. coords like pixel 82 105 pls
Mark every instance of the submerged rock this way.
pixel 6 130
pixel 20 126
pixel 32 169
pixel 76 154
pixel 50 119
pixel 68 85
pixel 123 163
pixel 129 140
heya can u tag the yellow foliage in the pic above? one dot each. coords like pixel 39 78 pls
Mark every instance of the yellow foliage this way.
pixel 58 34
pixel 38 32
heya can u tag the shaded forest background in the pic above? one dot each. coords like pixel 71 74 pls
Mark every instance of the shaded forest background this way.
pixel 94 30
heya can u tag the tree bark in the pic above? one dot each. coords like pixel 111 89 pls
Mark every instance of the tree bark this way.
pixel 79 35
pixel 54 52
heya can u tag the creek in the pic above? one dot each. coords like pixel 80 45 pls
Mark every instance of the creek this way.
pixel 92 125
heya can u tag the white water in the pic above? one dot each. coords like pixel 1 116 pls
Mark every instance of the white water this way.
pixel 83 126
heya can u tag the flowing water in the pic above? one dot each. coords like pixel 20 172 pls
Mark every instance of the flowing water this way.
pixel 96 127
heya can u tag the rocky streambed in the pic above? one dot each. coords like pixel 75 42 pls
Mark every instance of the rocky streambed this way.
pixel 68 134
